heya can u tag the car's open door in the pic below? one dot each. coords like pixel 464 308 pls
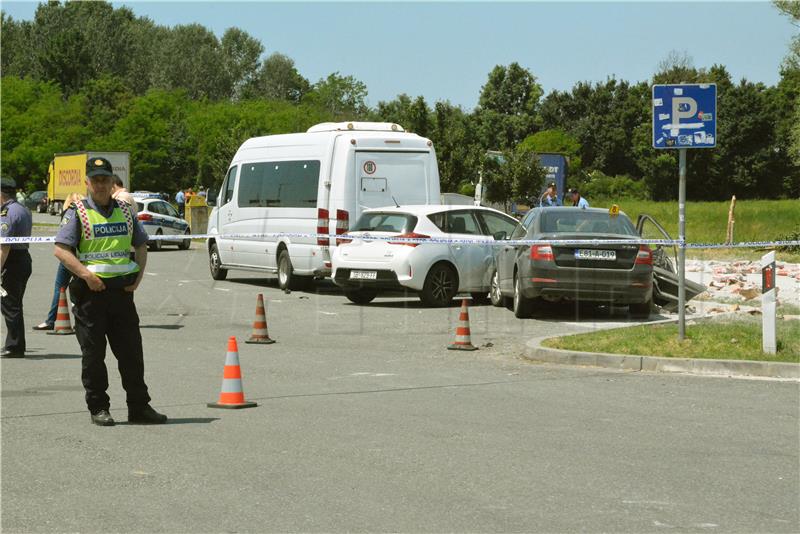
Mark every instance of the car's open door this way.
pixel 665 266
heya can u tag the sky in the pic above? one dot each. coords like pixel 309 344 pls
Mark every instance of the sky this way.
pixel 445 50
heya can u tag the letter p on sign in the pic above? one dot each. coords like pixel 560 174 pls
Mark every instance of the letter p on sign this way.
pixel 689 110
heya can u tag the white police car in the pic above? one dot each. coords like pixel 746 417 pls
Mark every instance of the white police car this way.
pixel 160 218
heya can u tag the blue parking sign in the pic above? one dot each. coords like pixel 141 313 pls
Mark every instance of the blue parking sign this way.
pixel 685 116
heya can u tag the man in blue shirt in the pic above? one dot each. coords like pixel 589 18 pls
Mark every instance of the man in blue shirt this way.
pixel 577 200
pixel 180 199
pixel 550 196
pixel 15 264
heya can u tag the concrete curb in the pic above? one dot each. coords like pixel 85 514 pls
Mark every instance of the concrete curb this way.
pixel 730 368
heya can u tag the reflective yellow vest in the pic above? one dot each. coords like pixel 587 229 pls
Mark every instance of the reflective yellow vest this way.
pixel 105 244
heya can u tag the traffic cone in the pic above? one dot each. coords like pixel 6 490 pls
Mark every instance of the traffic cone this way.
pixel 463 341
pixel 260 335
pixel 231 395
pixel 63 325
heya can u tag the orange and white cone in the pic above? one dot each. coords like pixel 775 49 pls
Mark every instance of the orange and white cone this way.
pixel 231 395
pixel 63 324
pixel 463 340
pixel 260 335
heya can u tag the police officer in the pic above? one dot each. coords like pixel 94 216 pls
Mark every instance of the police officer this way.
pixel 577 200
pixel 94 243
pixel 15 265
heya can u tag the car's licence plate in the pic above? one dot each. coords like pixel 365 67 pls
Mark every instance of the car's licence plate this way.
pixel 363 275
pixel 595 254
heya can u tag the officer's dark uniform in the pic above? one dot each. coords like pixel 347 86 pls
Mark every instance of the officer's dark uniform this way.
pixel 108 314
pixel 15 221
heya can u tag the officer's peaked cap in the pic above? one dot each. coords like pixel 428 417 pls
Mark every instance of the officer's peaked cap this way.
pixel 98 167
pixel 8 184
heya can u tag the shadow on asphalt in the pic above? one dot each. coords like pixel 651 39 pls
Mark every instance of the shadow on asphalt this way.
pixel 29 356
pixel 176 421
pixel 162 326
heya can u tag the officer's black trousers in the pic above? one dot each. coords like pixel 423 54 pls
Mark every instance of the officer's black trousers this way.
pixel 16 272
pixel 108 314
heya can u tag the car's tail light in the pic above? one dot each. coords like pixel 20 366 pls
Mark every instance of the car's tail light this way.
pixel 542 253
pixel 644 256
pixel 322 227
pixel 144 217
pixel 342 224
pixel 409 235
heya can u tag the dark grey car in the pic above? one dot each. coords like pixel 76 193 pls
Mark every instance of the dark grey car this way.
pixel 612 274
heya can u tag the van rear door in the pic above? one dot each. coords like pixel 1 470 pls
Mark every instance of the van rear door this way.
pixel 386 177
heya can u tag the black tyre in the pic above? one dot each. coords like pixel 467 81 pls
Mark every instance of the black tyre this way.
pixel 362 295
pixel 495 296
pixel 641 310
pixel 522 306
pixel 156 244
pixel 186 243
pixel 441 285
pixel 286 277
pixel 215 263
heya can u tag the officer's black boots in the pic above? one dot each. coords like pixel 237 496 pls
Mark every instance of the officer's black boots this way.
pixel 102 418
pixel 145 415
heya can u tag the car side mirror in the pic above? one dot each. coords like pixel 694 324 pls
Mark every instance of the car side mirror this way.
pixel 499 236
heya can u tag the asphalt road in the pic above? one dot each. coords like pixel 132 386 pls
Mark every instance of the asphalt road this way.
pixel 366 422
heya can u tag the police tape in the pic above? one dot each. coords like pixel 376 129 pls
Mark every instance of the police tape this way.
pixel 332 238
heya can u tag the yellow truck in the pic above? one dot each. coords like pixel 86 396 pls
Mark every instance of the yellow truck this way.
pixel 67 174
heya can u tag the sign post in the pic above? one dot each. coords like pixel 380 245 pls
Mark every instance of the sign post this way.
pixel 768 304
pixel 684 117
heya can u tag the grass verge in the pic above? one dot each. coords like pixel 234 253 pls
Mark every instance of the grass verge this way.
pixel 736 339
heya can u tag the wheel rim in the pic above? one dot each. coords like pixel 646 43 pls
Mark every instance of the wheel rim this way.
pixel 441 286
pixel 495 287
pixel 516 293
pixel 214 261
pixel 283 275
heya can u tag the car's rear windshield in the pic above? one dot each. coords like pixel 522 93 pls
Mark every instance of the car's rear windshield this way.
pixel 378 221
pixel 586 222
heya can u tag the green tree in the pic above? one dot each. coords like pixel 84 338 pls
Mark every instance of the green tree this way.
pixel 37 121
pixel 413 115
pixel 343 97
pixel 240 57
pixel 556 141
pixel 154 132
pixel 515 176
pixel 457 150
pixel 278 79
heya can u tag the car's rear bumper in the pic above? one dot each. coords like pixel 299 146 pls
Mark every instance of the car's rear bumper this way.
pixel 592 285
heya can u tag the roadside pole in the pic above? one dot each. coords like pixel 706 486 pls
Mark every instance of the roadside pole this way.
pixel 769 344
pixel 682 245
pixel 684 117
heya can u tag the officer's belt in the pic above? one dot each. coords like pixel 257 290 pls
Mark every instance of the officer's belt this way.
pixel 122 269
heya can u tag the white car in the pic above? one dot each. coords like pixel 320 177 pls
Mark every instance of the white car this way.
pixel 438 271
pixel 158 217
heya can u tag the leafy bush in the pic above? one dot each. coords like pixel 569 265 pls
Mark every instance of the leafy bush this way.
pixel 598 185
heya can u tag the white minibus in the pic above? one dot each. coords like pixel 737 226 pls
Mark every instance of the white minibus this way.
pixel 316 182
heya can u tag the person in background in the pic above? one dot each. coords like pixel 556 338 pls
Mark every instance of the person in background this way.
pixel 63 276
pixel 119 192
pixel 201 192
pixel 577 200
pixel 180 200
pixel 550 196
pixel 15 266
pixel 21 196
pixel 95 245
